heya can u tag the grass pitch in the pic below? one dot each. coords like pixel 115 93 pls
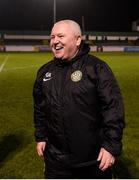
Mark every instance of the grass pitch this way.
pixel 18 157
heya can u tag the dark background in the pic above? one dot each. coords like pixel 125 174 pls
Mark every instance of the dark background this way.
pixel 98 15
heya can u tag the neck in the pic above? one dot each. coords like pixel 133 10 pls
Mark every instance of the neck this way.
pixel 73 55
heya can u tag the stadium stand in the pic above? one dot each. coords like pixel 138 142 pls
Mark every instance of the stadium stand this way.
pixel 39 40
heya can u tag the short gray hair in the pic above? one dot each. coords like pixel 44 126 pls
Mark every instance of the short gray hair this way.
pixel 74 25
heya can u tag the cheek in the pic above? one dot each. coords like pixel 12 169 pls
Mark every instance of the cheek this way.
pixel 72 47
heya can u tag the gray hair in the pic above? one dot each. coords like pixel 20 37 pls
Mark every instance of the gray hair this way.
pixel 74 25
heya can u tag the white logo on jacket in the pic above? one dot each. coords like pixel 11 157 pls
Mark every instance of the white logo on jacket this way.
pixel 47 76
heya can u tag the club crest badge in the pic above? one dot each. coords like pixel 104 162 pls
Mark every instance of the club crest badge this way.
pixel 76 76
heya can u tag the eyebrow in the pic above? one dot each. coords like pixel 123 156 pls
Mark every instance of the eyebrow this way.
pixel 57 34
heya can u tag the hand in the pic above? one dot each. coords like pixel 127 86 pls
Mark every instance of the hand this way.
pixel 40 148
pixel 106 159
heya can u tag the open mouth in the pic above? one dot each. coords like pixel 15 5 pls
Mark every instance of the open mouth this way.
pixel 57 48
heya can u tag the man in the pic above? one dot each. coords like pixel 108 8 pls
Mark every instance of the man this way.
pixel 78 109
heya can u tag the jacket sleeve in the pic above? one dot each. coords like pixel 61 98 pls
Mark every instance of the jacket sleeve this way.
pixel 39 113
pixel 112 109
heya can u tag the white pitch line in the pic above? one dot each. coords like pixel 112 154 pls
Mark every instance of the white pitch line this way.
pixel 4 62
pixel 16 68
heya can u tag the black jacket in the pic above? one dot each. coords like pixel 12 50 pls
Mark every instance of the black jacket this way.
pixel 78 109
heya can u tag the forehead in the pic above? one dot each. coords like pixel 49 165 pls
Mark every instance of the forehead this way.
pixel 61 28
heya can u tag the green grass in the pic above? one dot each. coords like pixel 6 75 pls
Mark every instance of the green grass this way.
pixel 18 157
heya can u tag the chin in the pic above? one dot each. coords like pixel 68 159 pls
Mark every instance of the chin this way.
pixel 58 57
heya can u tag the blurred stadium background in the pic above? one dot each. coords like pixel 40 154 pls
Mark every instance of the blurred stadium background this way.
pixel 22 52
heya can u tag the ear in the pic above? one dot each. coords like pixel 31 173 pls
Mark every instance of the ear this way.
pixel 79 39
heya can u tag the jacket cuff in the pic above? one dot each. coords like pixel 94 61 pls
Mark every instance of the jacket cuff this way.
pixel 115 149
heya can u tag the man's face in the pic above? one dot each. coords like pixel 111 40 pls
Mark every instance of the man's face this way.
pixel 64 42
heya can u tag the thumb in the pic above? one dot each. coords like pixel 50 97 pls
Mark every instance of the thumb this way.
pixel 100 155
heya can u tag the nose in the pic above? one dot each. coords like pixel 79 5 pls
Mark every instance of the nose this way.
pixel 55 40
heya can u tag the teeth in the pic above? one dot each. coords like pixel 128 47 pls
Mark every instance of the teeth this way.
pixel 58 48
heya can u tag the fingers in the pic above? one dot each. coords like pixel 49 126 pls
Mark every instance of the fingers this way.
pixel 105 163
pixel 106 159
pixel 40 148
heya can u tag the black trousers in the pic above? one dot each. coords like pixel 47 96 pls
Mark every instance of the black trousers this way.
pixel 56 170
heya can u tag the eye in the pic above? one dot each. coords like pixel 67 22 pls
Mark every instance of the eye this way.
pixel 61 36
pixel 52 37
